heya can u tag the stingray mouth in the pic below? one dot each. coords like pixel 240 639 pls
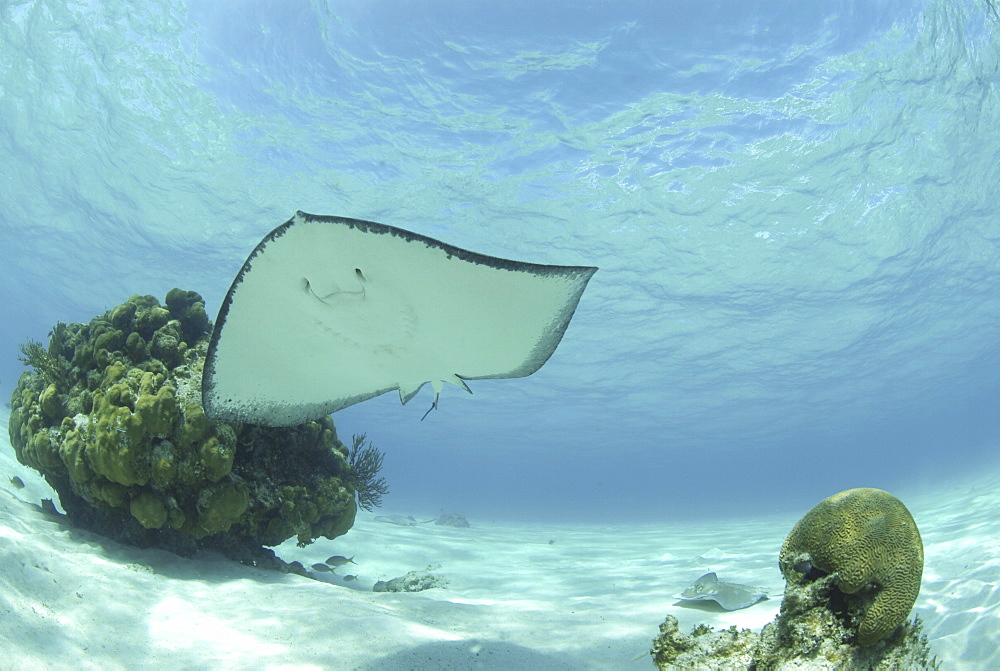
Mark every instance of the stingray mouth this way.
pixel 337 295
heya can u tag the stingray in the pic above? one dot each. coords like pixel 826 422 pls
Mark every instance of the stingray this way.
pixel 729 595
pixel 327 312
pixel 401 520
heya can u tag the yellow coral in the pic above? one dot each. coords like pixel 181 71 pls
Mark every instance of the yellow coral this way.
pixel 50 403
pixel 196 424
pixel 149 510
pixel 869 539
pixel 124 433
pixel 72 451
pixel 45 452
pixel 155 407
pixel 114 449
pixel 221 508
pixel 216 458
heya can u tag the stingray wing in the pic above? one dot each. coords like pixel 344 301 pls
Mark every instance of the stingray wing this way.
pixel 327 312
pixel 733 597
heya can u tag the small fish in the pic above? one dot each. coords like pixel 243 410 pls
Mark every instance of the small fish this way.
pixel 336 561
pixel 17 482
pixel 322 568
pixel 349 578
pixel 729 595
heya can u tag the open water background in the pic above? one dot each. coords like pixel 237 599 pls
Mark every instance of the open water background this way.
pixel 793 205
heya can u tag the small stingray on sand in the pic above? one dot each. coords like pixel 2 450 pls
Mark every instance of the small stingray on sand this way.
pixel 729 595
pixel 401 520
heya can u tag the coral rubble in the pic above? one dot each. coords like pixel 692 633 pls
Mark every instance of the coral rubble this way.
pixel 817 629
pixel 413 581
pixel 805 635
pixel 704 648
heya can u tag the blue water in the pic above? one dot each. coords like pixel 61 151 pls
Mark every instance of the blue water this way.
pixel 793 205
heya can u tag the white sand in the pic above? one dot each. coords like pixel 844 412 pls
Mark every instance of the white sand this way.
pixel 592 599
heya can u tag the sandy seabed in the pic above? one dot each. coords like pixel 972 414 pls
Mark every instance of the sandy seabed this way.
pixel 518 596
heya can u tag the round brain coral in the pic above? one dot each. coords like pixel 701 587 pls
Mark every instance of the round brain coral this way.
pixel 869 539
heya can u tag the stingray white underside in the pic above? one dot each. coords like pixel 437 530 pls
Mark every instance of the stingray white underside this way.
pixel 327 312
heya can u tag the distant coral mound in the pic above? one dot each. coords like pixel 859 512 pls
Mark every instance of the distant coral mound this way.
pixel 452 520
pixel 111 416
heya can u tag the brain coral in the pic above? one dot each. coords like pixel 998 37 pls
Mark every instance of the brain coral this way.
pixel 869 539
pixel 112 418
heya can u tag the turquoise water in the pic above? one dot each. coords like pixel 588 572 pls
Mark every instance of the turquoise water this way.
pixel 793 207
